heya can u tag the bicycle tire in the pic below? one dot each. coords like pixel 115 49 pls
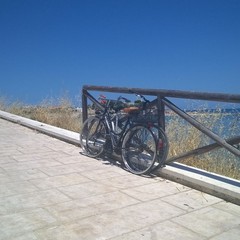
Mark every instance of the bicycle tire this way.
pixel 139 149
pixel 93 136
pixel 162 147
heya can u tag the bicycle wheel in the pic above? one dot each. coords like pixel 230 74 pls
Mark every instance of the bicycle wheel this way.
pixel 162 147
pixel 139 150
pixel 93 136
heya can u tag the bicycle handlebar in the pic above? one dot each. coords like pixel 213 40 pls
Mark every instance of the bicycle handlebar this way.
pixel 125 99
pixel 140 95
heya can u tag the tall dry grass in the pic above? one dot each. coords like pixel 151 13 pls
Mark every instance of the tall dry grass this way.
pixel 57 112
pixel 184 137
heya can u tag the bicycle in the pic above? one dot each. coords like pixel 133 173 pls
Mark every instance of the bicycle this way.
pixel 117 128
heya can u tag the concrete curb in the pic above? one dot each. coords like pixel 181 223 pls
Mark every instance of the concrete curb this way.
pixel 217 185
pixel 62 134
pixel 214 184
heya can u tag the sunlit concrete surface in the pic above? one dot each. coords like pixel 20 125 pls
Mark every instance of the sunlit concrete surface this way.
pixel 49 190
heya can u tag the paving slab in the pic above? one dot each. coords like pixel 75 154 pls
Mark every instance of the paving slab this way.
pixel 208 221
pixel 49 190
pixel 166 230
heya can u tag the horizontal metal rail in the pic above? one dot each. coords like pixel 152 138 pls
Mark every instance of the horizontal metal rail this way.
pixel 221 97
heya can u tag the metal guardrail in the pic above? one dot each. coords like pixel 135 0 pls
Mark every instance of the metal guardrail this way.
pixel 162 100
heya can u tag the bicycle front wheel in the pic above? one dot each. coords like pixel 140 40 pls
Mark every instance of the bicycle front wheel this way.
pixel 93 136
pixel 139 150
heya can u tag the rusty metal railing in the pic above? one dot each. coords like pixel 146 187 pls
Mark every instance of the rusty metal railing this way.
pixel 162 100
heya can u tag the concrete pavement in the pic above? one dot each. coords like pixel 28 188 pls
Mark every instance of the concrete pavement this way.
pixel 49 190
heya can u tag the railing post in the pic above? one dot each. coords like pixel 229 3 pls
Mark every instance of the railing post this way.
pixel 161 112
pixel 84 105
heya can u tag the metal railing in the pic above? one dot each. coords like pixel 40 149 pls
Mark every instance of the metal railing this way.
pixel 162 100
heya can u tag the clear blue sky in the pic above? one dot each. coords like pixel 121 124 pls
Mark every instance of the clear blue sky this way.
pixel 48 47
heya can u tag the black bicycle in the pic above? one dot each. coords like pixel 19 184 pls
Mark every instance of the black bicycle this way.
pixel 129 131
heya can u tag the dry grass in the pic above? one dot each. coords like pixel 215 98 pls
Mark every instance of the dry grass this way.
pixel 56 112
pixel 182 136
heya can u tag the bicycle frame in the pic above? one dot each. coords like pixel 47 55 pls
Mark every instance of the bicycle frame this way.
pixel 111 126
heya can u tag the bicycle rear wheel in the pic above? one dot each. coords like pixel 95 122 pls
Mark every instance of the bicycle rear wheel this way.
pixel 139 150
pixel 93 136
pixel 162 147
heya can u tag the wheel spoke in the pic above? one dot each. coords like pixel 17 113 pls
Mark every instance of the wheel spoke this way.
pixel 93 137
pixel 139 150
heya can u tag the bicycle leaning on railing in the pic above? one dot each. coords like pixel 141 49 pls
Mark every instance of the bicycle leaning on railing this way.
pixel 130 131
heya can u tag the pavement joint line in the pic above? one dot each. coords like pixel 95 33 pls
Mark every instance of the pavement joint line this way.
pixel 214 184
